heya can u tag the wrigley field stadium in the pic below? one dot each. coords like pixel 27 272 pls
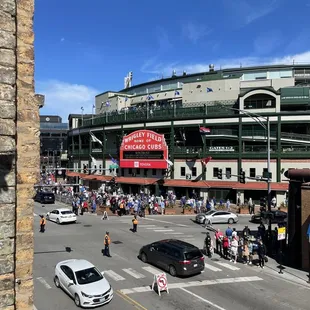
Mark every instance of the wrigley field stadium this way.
pixel 206 133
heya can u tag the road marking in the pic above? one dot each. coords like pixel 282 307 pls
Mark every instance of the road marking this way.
pixel 163 230
pixel 151 270
pixel 35 308
pixel 227 266
pixel 130 300
pixel 43 281
pixel 188 240
pixel 156 227
pixel 134 273
pixel 34 214
pixel 181 225
pixel 147 225
pixel 202 299
pixel 193 284
pixel 207 266
pixel 114 275
pixel 175 233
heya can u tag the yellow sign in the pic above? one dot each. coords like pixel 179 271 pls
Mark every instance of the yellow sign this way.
pixel 281 233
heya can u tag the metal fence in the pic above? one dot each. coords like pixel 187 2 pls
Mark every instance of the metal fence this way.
pixel 67 199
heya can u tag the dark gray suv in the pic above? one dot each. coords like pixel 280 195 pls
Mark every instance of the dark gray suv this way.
pixel 177 257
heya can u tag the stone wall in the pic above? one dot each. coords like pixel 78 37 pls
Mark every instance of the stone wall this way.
pixel 19 153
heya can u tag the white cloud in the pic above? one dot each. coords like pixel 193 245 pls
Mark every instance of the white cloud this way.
pixel 63 98
pixel 62 39
pixel 195 32
pixel 228 63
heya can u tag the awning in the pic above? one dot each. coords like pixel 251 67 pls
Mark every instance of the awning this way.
pixel 186 183
pixel 137 181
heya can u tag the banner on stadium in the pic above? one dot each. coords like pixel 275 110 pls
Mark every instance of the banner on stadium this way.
pixel 144 149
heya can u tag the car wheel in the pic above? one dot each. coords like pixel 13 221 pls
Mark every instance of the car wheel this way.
pixel 144 257
pixel 231 221
pixel 77 300
pixel 172 271
pixel 204 221
pixel 57 221
pixel 56 281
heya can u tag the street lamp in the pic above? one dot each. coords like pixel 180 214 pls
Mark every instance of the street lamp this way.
pixel 258 119
pixel 82 110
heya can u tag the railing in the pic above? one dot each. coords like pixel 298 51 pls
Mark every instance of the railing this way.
pixel 66 199
pixel 296 149
pixel 189 110
pixel 188 150
pixel 257 149
pixel 295 136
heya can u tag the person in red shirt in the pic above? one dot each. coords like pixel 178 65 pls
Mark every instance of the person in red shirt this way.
pixel 218 240
pixel 225 247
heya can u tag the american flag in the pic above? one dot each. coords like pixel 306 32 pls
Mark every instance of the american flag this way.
pixel 206 160
pixel 204 130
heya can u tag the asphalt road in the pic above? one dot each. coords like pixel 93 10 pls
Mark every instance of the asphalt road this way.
pixel 222 285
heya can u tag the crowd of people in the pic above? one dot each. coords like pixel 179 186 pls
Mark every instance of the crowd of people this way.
pixel 233 246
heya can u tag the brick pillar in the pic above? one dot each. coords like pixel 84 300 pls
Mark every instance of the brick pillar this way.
pixel 19 153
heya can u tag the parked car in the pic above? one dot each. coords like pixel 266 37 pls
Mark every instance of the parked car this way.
pixel 44 197
pixel 61 216
pixel 83 282
pixel 217 217
pixel 276 217
pixel 177 257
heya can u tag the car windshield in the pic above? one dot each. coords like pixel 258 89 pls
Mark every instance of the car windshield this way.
pixel 66 212
pixel 87 276
pixel 193 255
pixel 210 212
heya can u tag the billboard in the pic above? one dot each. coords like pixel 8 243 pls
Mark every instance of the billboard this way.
pixel 144 149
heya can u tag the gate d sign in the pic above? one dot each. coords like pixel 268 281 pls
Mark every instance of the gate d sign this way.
pixel 160 280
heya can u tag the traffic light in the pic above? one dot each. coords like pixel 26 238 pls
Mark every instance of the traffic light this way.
pixel 220 174
pixel 84 169
pixel 228 173
pixel 242 176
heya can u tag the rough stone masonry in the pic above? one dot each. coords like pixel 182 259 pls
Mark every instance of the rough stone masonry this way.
pixel 19 153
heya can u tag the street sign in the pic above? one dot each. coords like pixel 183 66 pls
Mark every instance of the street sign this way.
pixel 281 233
pixel 114 166
pixel 160 280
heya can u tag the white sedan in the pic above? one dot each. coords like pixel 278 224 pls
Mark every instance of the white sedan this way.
pixel 83 282
pixel 214 216
pixel 61 216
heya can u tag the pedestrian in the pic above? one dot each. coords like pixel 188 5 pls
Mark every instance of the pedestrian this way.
pixel 246 253
pixel 261 251
pixel 234 250
pixel 218 241
pixel 42 224
pixel 225 246
pixel 134 224
pixel 107 241
pixel 229 232
pixel 208 244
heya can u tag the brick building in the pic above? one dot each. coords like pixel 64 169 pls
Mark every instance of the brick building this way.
pixel 19 153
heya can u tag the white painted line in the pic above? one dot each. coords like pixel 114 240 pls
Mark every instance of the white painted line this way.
pixel 146 225
pixel 156 227
pixel 191 284
pixel 202 299
pixel 134 273
pixel 175 233
pixel 35 308
pixel 227 266
pixel 34 214
pixel 181 225
pixel 113 275
pixel 43 281
pixel 207 266
pixel 151 270
pixel 189 240
pixel 163 230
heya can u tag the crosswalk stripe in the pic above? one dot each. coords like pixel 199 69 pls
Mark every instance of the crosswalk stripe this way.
pixel 163 230
pixel 151 270
pixel 146 225
pixel 227 266
pixel 113 275
pixel 189 240
pixel 134 273
pixel 155 227
pixel 210 267
pixel 43 281
pixel 175 233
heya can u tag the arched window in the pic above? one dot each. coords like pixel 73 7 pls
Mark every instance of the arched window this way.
pixel 260 101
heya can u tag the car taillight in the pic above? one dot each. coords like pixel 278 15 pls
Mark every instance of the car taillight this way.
pixel 185 262
pixel 202 258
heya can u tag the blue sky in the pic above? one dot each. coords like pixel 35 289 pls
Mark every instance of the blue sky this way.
pixel 84 47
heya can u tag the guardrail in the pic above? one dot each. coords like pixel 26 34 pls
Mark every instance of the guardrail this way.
pixel 67 199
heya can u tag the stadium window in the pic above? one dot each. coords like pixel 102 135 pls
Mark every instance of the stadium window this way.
pixel 138 171
pixel 252 172
pixel 153 171
pixel 182 171
pixel 145 172
pixel 194 171
pixel 215 172
pixel 130 170
pixel 123 172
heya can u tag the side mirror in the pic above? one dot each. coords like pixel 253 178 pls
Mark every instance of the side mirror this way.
pixel 70 283
pixel 102 272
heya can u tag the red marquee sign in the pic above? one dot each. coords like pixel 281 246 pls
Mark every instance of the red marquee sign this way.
pixel 144 149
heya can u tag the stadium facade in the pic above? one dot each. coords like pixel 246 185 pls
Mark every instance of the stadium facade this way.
pixel 178 133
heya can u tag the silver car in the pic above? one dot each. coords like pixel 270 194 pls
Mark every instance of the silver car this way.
pixel 215 217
